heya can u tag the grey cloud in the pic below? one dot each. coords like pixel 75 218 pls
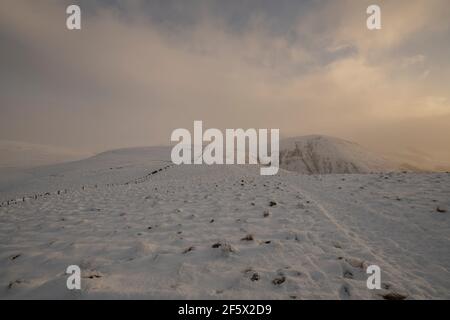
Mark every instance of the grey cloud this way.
pixel 140 69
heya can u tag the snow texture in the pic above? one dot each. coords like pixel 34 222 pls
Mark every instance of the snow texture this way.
pixel 140 227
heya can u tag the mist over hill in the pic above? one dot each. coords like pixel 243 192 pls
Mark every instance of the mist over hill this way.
pixel 22 154
pixel 317 154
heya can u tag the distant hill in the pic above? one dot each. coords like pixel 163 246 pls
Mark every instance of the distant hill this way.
pixel 317 154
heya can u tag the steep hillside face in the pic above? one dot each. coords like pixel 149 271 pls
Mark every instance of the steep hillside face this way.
pixel 317 154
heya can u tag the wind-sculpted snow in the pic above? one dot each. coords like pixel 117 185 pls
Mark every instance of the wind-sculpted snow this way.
pixel 225 232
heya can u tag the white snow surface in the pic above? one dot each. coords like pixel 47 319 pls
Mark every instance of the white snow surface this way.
pixel 222 232
pixel 111 167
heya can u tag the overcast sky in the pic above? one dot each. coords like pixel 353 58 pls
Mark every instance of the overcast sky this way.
pixel 139 69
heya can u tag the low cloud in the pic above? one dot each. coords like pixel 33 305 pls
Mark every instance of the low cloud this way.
pixel 128 78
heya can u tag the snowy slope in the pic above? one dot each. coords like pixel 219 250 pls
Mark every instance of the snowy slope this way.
pixel 21 154
pixel 139 227
pixel 317 154
pixel 117 166
pixel 225 232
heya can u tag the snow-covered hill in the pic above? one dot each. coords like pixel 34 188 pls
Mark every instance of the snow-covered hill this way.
pixel 111 167
pixel 226 232
pixel 139 227
pixel 317 154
